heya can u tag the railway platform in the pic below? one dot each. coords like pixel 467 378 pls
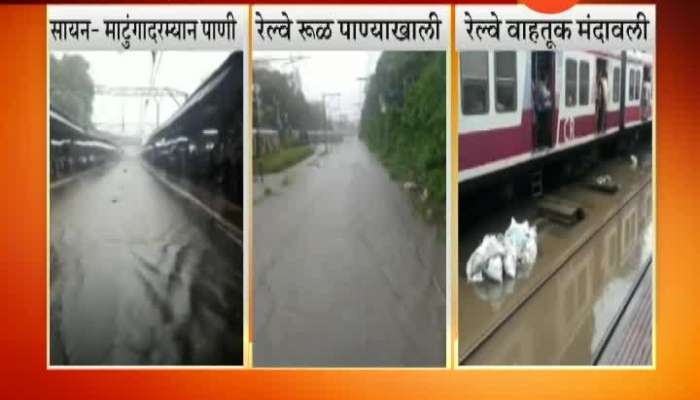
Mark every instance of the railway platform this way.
pixel 631 341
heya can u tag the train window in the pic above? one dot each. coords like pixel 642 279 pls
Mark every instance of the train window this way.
pixel 475 82
pixel 570 89
pixel 631 84
pixel 639 83
pixel 616 84
pixel 506 81
pixel 584 75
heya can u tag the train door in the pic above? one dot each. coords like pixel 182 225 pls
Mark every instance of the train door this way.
pixel 646 93
pixel 543 77
pixel 602 94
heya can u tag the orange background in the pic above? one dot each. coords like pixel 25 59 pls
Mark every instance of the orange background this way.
pixel 23 280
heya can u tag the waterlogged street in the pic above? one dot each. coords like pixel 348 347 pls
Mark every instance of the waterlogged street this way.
pixel 347 272
pixel 139 275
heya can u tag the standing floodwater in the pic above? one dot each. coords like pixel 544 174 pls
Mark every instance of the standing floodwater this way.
pixel 139 276
pixel 346 273
pixel 348 209
pixel 146 171
pixel 562 310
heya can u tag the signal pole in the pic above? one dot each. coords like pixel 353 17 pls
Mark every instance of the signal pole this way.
pixel 325 116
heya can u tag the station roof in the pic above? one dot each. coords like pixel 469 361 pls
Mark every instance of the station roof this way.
pixel 230 69
pixel 69 128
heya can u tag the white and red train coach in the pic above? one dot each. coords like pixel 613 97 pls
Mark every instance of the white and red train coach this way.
pixel 498 124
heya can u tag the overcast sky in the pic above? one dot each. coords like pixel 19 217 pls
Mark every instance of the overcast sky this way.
pixel 320 71
pixel 328 72
pixel 182 70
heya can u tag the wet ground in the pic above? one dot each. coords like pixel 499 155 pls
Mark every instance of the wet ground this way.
pixel 561 310
pixel 347 273
pixel 140 276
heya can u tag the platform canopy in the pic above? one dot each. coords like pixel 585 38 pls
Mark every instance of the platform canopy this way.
pixel 218 98
pixel 62 127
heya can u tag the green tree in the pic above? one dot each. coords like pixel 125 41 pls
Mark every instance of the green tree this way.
pixel 283 106
pixel 71 88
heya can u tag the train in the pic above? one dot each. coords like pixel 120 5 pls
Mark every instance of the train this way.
pixel 203 140
pixel 72 149
pixel 501 132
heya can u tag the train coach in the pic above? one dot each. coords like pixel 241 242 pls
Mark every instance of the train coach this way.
pixel 72 149
pixel 506 128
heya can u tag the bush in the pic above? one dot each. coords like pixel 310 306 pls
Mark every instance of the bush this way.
pixel 409 135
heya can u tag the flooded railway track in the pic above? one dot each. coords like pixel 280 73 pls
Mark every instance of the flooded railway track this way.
pixel 139 275
pixel 561 311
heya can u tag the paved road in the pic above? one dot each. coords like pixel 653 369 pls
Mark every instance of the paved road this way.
pixel 346 273
pixel 140 276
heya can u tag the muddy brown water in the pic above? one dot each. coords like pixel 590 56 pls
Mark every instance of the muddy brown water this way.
pixel 560 311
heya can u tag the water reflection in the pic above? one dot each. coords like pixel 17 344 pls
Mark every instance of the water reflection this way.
pixel 566 320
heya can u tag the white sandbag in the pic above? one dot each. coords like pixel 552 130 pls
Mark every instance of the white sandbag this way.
pixel 494 269
pixel 504 255
pixel 517 234
pixel 475 265
pixel 529 253
pixel 489 248
pixel 510 263
pixel 476 277
pixel 523 239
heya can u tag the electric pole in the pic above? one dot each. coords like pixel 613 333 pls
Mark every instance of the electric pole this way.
pixel 325 115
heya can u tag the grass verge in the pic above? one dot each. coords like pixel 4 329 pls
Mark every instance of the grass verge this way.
pixel 282 159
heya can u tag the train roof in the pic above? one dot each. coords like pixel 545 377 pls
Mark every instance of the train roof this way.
pixel 637 56
pixel 640 56
pixel 609 53
pixel 232 65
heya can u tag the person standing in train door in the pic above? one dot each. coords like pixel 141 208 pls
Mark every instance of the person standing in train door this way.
pixel 543 109
pixel 602 101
